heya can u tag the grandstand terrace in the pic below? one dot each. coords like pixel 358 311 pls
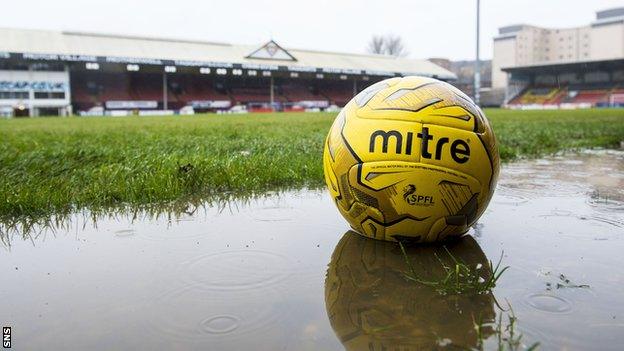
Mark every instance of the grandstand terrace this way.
pixel 53 72
pixel 567 85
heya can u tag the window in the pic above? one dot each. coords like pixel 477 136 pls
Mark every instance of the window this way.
pixel 49 95
pixel 56 67
pixel 11 66
pixel 14 95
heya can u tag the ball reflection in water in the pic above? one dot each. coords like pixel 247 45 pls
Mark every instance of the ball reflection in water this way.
pixel 372 306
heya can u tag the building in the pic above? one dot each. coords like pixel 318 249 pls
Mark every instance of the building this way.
pixel 527 45
pixel 57 73
pixel 464 70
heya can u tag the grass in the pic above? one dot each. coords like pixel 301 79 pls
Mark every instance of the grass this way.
pixel 538 133
pixel 459 277
pixel 52 165
pixel 506 336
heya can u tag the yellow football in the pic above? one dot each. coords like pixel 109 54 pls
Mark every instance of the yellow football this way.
pixel 411 158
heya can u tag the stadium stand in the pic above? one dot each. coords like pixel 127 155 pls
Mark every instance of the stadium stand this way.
pixel 570 85
pixel 294 92
pixel 100 73
pixel 337 94
pixel 538 96
pixel 616 97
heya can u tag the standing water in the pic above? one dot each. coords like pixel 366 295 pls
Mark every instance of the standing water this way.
pixel 284 273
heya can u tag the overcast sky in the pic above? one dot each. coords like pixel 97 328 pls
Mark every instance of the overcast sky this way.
pixel 436 28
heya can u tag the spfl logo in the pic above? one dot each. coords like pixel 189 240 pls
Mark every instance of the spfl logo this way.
pixel 412 198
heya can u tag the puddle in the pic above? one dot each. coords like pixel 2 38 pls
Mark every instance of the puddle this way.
pixel 549 303
pixel 283 272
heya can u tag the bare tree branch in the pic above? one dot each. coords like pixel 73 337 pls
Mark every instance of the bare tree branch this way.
pixel 391 45
pixel 394 46
pixel 376 45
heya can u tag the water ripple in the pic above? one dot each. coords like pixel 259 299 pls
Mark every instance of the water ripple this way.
pixel 549 303
pixel 236 270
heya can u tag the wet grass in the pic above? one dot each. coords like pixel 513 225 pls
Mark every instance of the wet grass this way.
pixel 458 277
pixel 60 164
pixel 505 335
pixel 563 282
pixel 56 165
pixel 529 134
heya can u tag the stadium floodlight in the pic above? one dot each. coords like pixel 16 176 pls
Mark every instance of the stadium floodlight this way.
pixel 170 69
pixel 477 66
pixel 252 73
pixel 237 72
pixel 132 68
pixel 320 76
pixel 266 73
pixel 221 71
pixel 294 74
pixel 204 70
pixel 92 66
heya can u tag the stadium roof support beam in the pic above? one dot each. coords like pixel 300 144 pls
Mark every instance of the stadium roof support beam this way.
pixel 165 92
pixel 271 91
pixel 556 68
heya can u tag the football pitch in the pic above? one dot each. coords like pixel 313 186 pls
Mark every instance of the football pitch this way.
pixel 50 165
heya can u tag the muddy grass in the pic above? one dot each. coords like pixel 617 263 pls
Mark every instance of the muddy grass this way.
pixel 58 165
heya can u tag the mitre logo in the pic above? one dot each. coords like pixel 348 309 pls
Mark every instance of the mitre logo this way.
pixel 411 197
pixel 459 150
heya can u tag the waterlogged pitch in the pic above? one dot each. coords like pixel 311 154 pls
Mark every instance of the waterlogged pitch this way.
pixel 52 165
pixel 283 272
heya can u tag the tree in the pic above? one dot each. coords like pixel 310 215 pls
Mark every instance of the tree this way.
pixel 389 44
pixel 376 45
pixel 395 46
